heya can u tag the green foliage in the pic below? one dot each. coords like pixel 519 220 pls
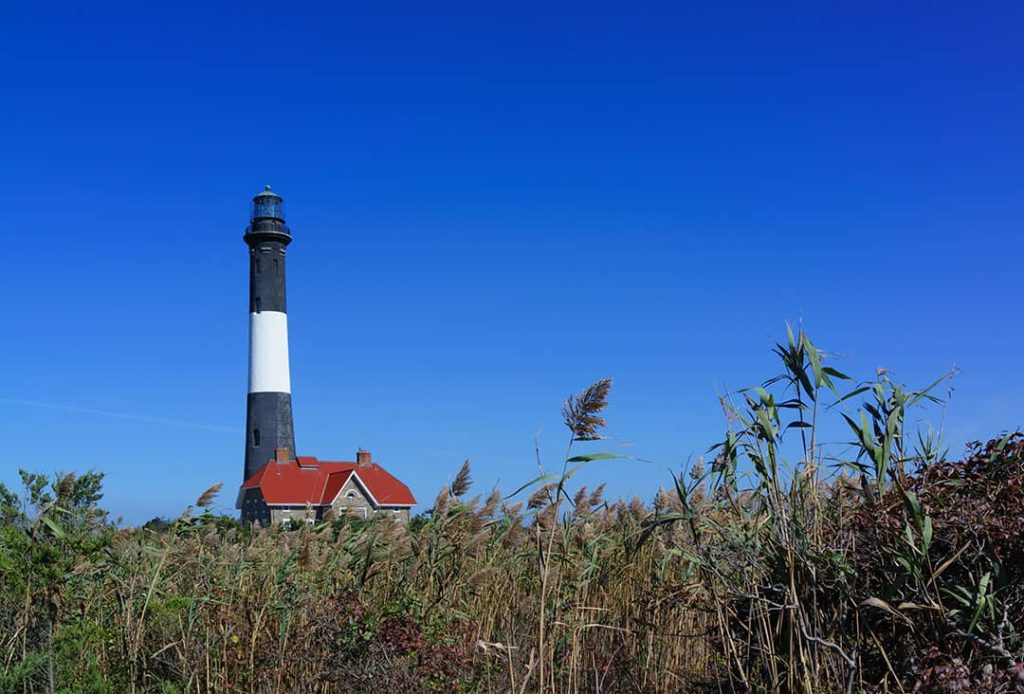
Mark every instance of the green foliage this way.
pixel 51 538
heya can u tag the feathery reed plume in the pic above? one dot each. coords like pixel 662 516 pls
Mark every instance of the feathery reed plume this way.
pixel 472 506
pixel 661 500
pixel 513 511
pixel 513 526
pixel 441 502
pixel 579 502
pixel 305 552
pixel 637 509
pixel 580 412
pixel 207 497
pixel 541 496
pixel 491 505
pixel 697 471
pixel 546 517
pixel 462 480
pixel 586 534
pixel 66 485
pixel 598 495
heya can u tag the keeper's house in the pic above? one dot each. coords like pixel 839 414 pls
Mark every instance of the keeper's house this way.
pixel 307 489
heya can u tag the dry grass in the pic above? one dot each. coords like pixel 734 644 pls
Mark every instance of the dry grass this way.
pixel 759 573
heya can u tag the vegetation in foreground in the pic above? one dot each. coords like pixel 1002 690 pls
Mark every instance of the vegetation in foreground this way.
pixel 786 565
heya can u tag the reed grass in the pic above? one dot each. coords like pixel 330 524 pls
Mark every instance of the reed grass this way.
pixel 784 564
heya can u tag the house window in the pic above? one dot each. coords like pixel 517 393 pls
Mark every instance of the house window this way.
pixel 396 510
pixel 256 437
pixel 351 494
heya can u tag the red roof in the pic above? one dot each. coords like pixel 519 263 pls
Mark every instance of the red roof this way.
pixel 311 481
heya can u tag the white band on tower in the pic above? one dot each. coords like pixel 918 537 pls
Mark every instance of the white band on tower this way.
pixel 268 353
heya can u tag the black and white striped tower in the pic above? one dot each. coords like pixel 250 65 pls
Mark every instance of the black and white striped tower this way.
pixel 269 426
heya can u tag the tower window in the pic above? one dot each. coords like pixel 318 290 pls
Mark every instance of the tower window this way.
pixel 256 437
pixel 259 305
pixel 277 268
pixel 258 270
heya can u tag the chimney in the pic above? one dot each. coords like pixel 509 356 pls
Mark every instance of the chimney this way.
pixel 282 455
pixel 362 457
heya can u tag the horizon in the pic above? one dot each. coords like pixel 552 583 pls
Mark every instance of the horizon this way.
pixel 492 209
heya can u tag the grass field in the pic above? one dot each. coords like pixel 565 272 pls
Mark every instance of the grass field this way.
pixel 779 564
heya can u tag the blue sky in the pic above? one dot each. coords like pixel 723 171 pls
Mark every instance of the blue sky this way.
pixel 493 207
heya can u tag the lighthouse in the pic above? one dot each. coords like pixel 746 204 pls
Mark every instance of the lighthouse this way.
pixel 269 428
pixel 280 486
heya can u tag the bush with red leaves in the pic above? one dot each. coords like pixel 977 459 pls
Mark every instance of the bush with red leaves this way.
pixel 946 605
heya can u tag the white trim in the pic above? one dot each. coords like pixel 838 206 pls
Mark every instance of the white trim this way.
pixel 268 353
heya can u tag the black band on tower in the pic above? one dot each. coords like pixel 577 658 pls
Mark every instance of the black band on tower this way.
pixel 268 426
pixel 266 273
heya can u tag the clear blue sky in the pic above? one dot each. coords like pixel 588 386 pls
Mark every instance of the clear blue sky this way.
pixel 493 207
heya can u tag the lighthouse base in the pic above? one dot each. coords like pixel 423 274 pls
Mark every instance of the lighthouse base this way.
pixel 268 427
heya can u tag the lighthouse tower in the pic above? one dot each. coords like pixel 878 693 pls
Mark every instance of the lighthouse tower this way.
pixel 268 423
